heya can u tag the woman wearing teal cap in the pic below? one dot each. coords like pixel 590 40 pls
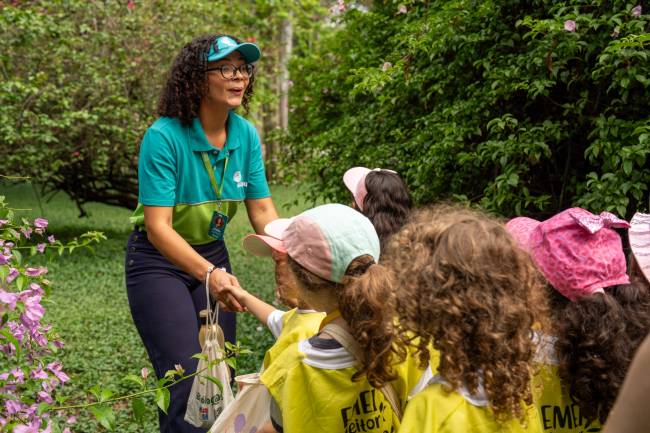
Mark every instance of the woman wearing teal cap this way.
pixel 197 161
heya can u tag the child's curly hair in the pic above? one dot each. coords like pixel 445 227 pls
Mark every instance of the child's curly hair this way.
pixel 597 336
pixel 367 303
pixel 465 286
pixel 187 81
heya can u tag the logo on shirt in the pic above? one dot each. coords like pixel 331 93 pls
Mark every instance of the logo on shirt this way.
pixel 237 178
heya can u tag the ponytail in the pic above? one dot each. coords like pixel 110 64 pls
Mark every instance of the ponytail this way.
pixel 367 303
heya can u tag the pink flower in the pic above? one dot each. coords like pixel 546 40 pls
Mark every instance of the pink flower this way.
pixel 18 374
pixel 35 272
pixel 144 373
pixel 27 232
pixel 40 248
pixel 33 310
pixel 386 66
pixel 570 26
pixel 3 222
pixel 13 407
pixel 339 7
pixel 56 368
pixel 45 397
pixel 637 11
pixel 13 273
pixel 41 223
pixel 4 260
pixel 39 374
pixel 51 239
pixel 22 428
pixel 402 9
pixel 71 420
pixel 130 5
pixel 9 298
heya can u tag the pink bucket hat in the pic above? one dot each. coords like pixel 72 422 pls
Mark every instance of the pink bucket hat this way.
pixel 324 240
pixel 577 251
pixel 639 234
pixel 355 180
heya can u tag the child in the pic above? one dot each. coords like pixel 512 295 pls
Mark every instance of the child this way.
pixel 639 234
pixel 464 286
pixel 597 317
pixel 382 196
pixel 337 380
pixel 286 326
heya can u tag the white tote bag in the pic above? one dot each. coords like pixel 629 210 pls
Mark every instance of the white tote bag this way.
pixel 207 399
pixel 250 410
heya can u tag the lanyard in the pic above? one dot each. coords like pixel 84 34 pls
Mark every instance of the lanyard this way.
pixel 208 167
pixel 329 318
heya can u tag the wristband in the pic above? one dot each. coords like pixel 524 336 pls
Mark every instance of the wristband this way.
pixel 207 274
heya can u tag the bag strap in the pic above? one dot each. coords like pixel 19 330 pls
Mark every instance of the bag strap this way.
pixel 341 335
pixel 212 317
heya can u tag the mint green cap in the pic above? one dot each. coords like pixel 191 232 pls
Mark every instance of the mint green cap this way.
pixel 326 239
pixel 225 45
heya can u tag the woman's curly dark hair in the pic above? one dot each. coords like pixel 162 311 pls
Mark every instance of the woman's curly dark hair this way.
pixel 187 81
pixel 387 203
pixel 367 304
pixel 465 286
pixel 597 336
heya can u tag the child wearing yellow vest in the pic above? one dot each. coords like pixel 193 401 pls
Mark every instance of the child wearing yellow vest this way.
pixel 465 287
pixel 286 326
pixel 597 318
pixel 351 376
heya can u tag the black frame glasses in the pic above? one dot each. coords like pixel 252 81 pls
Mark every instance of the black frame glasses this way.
pixel 229 71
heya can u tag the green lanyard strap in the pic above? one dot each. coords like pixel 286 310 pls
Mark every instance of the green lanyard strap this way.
pixel 208 167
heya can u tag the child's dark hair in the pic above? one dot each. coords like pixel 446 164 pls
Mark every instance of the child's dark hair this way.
pixel 366 301
pixel 187 81
pixel 465 287
pixel 597 336
pixel 387 203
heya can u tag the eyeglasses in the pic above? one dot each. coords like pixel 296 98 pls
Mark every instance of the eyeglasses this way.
pixel 229 72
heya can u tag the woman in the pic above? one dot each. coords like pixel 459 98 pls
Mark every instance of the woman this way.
pixel 197 161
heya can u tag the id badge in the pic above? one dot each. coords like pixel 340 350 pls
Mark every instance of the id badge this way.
pixel 218 225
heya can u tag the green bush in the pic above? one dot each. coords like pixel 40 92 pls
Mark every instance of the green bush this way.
pixel 500 103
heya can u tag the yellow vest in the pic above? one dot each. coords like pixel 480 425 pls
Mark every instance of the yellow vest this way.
pixel 314 399
pixel 557 413
pixel 296 326
pixel 435 410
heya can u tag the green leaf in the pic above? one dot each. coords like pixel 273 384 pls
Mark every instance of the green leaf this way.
pixel 17 255
pixel 105 394
pixel 21 281
pixel 104 415
pixel 7 334
pixel 139 410
pixel 215 381
pixel 162 399
pixel 627 167
pixel 43 407
pixel 135 379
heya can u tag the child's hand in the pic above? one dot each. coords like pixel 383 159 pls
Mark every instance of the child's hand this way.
pixel 238 293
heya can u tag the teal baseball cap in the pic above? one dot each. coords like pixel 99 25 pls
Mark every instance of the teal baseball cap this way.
pixel 324 240
pixel 225 45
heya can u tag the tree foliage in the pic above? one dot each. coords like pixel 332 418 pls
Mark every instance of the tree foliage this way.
pixel 80 81
pixel 519 106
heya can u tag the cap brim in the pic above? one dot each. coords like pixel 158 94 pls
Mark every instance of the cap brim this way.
pixel 251 52
pixel 352 177
pixel 277 227
pixel 260 245
pixel 521 228
pixel 639 234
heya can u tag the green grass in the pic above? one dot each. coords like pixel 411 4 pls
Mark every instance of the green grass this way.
pixel 89 306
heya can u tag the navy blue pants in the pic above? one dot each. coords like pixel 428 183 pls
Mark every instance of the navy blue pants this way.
pixel 165 303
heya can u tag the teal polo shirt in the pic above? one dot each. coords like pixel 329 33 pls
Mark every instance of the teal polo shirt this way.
pixel 171 173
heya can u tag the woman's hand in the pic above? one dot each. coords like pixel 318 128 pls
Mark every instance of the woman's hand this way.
pixel 219 279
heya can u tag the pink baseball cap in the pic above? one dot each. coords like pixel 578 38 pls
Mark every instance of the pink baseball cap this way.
pixel 639 234
pixel 324 240
pixel 355 180
pixel 577 251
